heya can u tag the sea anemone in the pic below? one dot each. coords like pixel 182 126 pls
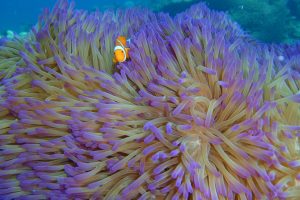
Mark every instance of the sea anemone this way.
pixel 200 111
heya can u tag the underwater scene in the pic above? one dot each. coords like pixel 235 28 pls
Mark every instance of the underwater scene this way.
pixel 150 100
pixel 266 20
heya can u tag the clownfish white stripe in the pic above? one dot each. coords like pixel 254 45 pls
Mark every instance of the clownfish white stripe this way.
pixel 122 49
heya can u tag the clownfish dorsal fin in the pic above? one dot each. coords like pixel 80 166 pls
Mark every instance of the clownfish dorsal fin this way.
pixel 120 43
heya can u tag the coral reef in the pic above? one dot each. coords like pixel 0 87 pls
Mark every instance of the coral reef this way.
pixel 268 21
pixel 10 34
pixel 201 111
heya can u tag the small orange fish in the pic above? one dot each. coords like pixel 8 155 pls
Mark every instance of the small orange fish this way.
pixel 121 50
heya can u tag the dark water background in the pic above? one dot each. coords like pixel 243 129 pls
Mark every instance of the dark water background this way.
pixel 267 20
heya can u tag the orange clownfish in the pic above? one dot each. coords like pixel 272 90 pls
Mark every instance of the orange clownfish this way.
pixel 121 50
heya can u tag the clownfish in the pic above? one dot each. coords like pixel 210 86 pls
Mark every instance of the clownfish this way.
pixel 121 50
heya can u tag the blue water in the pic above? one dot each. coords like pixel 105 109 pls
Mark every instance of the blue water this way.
pixel 21 15
pixel 269 21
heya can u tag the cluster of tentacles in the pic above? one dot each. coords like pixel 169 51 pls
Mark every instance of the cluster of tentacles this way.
pixel 200 111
